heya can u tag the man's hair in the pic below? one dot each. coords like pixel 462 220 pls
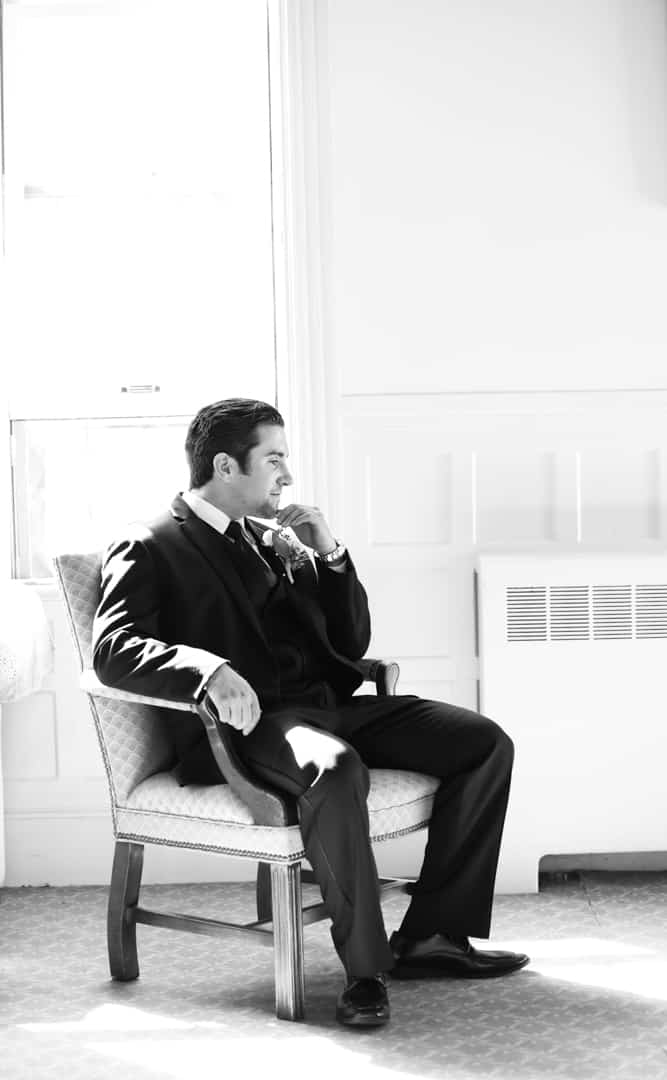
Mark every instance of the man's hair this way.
pixel 228 426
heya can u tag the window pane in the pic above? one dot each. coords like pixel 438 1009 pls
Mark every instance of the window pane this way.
pixel 142 88
pixel 140 241
pixel 162 290
pixel 77 483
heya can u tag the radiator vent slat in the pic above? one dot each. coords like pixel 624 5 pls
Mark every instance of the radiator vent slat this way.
pixel 569 608
pixel 541 613
pixel 651 611
pixel 527 613
pixel 612 611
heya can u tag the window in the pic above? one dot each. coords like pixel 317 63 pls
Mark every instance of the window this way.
pixel 77 483
pixel 137 233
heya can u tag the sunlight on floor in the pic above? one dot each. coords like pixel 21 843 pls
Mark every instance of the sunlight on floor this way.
pixel 160 1044
pixel 287 1047
pixel 124 1018
pixel 597 962
pixel 207 1059
pixel 592 1003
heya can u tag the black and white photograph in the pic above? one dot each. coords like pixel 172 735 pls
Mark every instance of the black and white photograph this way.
pixel 333 575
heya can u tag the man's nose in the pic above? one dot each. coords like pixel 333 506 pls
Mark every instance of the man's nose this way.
pixel 286 478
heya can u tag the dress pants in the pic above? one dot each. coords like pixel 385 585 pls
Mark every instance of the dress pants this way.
pixel 471 756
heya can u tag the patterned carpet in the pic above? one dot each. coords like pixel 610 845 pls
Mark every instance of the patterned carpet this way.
pixel 593 1003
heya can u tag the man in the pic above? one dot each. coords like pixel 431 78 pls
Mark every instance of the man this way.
pixel 269 624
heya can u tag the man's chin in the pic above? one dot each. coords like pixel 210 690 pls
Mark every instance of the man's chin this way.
pixel 268 511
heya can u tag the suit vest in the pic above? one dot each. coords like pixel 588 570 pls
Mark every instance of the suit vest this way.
pixel 302 665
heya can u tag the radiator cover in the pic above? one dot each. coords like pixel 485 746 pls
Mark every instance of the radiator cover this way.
pixel 573 665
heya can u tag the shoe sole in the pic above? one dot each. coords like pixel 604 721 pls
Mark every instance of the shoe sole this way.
pixel 423 971
pixel 368 1021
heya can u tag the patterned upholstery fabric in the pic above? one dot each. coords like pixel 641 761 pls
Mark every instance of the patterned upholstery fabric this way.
pixel 80 580
pixel 132 737
pixel 133 740
pixel 213 818
pixel 146 800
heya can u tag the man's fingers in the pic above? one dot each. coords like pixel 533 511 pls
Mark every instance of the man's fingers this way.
pixel 253 725
pixel 224 712
pixel 297 519
pixel 233 716
pixel 254 713
pixel 294 512
pixel 243 712
pixel 247 717
pixel 230 714
pixel 236 702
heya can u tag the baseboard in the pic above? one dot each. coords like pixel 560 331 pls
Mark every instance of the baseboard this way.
pixel 619 860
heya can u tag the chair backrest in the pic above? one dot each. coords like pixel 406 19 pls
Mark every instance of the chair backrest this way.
pixel 79 578
pixel 133 737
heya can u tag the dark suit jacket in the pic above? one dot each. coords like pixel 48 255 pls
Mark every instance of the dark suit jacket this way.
pixel 173 605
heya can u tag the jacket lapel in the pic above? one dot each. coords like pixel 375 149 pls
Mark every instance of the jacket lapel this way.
pixel 274 561
pixel 211 546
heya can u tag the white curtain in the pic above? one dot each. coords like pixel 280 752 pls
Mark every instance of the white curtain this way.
pixel 26 647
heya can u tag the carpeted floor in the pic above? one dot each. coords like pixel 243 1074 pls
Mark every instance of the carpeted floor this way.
pixel 593 1002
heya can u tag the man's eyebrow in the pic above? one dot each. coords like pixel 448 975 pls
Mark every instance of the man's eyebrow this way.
pixel 275 453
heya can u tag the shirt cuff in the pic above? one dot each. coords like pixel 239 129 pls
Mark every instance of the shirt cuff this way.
pixel 201 689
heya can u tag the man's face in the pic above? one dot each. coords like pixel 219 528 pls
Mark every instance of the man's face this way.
pixel 258 490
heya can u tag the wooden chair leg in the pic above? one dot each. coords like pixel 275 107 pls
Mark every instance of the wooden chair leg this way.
pixel 287 940
pixel 123 896
pixel 263 889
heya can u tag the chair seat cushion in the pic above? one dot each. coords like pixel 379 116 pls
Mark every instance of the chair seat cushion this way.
pixel 213 818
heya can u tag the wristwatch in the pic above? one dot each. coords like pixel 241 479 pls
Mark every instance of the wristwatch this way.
pixel 333 556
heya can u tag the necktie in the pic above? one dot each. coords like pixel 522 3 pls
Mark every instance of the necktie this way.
pixel 243 546
pixel 236 534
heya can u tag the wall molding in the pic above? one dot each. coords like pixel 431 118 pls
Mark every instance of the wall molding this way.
pixel 518 400
pixel 57 814
pixel 298 104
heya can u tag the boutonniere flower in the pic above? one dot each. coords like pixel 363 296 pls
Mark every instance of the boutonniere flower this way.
pixel 288 548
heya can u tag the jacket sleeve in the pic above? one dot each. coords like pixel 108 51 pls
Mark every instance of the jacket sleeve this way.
pixel 127 649
pixel 344 602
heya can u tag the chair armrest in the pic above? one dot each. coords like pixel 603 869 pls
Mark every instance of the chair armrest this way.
pixel 268 807
pixel 92 685
pixel 384 673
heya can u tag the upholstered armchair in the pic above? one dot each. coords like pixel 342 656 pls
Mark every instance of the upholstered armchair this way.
pixel 241 817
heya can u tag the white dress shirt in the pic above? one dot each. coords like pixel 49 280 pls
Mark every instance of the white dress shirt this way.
pixel 217 518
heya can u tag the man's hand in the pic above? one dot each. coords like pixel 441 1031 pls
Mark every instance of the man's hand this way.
pixel 234 698
pixel 310 526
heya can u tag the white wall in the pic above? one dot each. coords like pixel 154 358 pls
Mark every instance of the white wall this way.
pixel 498 193
pixel 493 199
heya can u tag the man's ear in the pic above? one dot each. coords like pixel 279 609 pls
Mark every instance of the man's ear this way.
pixel 223 466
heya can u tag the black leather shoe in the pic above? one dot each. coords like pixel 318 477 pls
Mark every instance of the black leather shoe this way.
pixel 440 956
pixel 363 1003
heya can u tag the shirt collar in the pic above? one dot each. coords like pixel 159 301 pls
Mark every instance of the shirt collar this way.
pixel 207 512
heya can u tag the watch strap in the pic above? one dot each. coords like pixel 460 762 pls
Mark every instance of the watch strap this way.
pixel 333 556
